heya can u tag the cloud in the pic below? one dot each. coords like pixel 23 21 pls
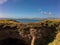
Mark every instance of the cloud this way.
pixel 3 1
pixel 50 13
pixel 45 12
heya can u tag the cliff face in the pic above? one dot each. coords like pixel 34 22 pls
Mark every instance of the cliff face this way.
pixel 28 33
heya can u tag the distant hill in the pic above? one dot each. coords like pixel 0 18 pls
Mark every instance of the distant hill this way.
pixel 31 18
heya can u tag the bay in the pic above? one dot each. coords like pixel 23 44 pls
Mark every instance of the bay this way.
pixel 27 20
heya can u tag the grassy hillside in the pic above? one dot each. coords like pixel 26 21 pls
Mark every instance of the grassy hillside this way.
pixel 56 40
pixel 49 30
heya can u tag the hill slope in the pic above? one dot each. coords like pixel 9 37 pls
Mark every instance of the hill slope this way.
pixel 40 33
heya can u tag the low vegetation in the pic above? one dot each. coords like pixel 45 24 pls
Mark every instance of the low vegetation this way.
pixel 46 32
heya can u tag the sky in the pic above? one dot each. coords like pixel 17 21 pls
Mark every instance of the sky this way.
pixel 29 8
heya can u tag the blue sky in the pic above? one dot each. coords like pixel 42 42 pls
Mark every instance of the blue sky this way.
pixel 29 8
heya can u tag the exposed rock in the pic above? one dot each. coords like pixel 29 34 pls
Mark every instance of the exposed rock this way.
pixel 27 34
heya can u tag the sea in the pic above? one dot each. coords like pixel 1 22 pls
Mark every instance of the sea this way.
pixel 27 20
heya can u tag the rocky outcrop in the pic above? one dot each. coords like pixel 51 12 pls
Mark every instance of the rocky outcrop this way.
pixel 27 34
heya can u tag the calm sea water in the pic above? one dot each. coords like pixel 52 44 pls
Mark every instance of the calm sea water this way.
pixel 27 20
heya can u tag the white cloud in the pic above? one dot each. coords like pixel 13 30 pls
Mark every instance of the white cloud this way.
pixel 3 1
pixel 50 13
pixel 45 12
